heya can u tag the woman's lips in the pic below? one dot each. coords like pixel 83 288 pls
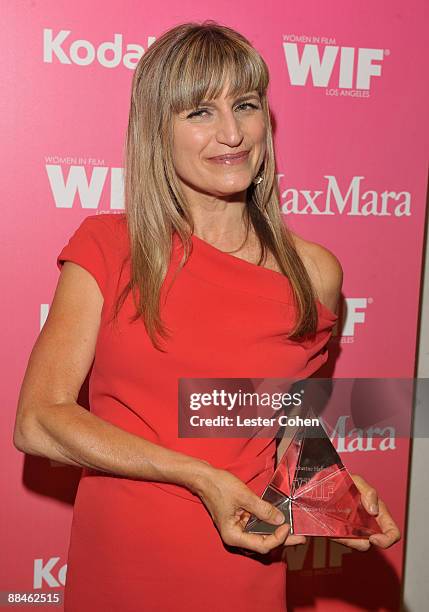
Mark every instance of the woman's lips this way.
pixel 230 160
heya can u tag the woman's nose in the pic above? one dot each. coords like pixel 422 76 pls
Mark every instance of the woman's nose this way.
pixel 229 130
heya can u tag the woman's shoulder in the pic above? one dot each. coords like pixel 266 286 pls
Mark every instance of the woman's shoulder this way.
pixel 105 232
pixel 107 221
pixel 324 269
pixel 107 228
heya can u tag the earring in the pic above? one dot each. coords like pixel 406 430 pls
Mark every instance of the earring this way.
pixel 258 179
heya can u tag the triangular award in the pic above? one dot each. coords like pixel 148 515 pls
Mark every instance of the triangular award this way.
pixel 315 491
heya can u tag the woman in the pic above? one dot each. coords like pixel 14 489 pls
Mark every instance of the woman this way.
pixel 198 278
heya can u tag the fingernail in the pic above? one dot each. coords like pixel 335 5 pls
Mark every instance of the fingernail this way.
pixel 373 509
pixel 279 519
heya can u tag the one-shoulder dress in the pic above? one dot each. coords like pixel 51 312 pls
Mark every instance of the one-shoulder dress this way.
pixel 144 546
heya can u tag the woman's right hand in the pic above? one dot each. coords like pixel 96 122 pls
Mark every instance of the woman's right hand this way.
pixel 230 503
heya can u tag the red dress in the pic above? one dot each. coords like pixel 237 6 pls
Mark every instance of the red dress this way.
pixel 145 546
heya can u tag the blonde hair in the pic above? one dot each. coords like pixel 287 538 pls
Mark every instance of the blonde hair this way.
pixel 187 64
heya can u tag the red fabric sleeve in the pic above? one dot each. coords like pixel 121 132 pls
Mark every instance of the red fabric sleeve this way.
pixel 88 247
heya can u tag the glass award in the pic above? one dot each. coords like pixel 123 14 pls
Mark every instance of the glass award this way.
pixel 314 490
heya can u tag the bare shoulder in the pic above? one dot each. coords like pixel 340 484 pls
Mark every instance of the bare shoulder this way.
pixel 324 269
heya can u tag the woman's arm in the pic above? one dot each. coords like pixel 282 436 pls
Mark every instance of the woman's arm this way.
pixel 324 269
pixel 68 433
pixel 326 275
pixel 50 422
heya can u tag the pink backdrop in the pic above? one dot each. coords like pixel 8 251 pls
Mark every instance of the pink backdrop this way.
pixel 350 107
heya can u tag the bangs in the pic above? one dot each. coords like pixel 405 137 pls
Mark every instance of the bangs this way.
pixel 205 63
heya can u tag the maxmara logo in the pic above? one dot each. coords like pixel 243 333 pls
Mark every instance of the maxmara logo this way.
pixel 350 440
pixel 354 200
pixel 86 183
pixel 60 47
pixel 320 56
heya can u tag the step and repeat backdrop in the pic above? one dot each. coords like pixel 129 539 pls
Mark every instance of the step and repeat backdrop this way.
pixel 349 101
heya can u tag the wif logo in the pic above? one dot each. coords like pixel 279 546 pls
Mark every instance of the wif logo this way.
pixel 87 188
pixel 319 554
pixel 58 48
pixel 352 316
pixel 355 315
pixel 356 66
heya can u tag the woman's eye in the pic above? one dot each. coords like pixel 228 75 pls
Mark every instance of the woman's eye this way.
pixel 199 113
pixel 248 104
pixel 196 113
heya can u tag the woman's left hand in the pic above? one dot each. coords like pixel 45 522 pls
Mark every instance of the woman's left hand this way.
pixel 375 506
pixel 291 540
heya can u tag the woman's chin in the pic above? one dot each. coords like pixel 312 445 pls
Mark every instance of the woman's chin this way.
pixel 231 187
